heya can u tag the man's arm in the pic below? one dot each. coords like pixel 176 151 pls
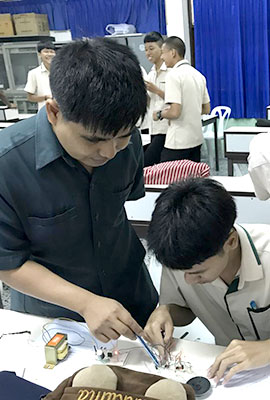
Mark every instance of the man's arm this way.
pixel 36 99
pixel 151 87
pixel 4 99
pixel 173 111
pixel 106 318
pixel 206 108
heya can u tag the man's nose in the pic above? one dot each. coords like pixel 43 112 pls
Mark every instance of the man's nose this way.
pixel 108 149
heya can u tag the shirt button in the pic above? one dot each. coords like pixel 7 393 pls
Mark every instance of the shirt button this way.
pixel 99 244
pixel 97 217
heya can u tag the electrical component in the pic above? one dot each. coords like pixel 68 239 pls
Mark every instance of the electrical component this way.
pixel 104 355
pixel 200 385
pixel 100 354
pixel 56 350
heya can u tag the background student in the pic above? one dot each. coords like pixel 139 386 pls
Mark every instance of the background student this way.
pixel 259 164
pixel 155 84
pixel 187 98
pixel 38 84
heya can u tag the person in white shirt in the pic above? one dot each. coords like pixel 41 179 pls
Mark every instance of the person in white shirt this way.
pixel 259 164
pixel 155 84
pixel 187 98
pixel 213 269
pixel 38 84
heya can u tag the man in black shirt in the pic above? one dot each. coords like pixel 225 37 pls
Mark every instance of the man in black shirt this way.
pixel 66 245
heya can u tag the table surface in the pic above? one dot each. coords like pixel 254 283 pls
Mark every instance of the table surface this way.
pixel 24 354
pixel 241 184
pixel 247 129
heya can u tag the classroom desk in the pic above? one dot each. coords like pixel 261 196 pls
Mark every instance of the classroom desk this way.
pixel 236 144
pixel 27 360
pixel 212 119
pixel 6 124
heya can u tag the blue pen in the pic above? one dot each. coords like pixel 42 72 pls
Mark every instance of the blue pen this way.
pixel 253 305
pixel 149 351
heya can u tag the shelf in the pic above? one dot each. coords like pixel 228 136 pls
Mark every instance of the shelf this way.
pixel 19 38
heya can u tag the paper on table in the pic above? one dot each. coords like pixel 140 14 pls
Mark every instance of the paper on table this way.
pixel 14 353
pixel 247 385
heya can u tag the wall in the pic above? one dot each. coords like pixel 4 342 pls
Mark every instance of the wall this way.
pixel 177 21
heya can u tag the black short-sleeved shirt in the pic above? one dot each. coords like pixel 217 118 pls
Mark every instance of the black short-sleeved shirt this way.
pixel 54 212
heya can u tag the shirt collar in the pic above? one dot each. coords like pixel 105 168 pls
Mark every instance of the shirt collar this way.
pixel 250 267
pixel 162 67
pixel 43 68
pixel 181 62
pixel 47 147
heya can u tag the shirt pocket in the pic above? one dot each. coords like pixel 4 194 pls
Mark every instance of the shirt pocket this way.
pixel 162 85
pixel 55 232
pixel 114 213
pixel 260 320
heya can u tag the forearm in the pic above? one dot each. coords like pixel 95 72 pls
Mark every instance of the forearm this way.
pixel 37 281
pixel 4 100
pixel 36 99
pixel 160 93
pixel 173 111
pixel 181 316
pixel 106 318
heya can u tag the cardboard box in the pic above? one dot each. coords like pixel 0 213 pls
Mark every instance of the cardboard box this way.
pixel 7 114
pixel 31 24
pixel 6 25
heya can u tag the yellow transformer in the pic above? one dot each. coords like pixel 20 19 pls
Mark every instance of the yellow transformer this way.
pixel 56 349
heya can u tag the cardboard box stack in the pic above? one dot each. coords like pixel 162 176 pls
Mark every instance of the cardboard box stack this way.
pixel 6 25
pixel 31 24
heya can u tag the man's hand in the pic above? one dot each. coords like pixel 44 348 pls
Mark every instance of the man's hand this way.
pixel 159 328
pixel 155 118
pixel 107 319
pixel 239 356
pixel 153 88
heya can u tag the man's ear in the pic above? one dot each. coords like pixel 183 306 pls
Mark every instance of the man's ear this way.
pixel 232 242
pixel 53 111
pixel 174 53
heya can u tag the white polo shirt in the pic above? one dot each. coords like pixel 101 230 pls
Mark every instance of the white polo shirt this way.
pixel 156 102
pixel 226 311
pixel 186 86
pixel 259 164
pixel 38 83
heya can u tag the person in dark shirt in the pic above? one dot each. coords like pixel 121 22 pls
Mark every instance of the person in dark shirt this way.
pixel 66 246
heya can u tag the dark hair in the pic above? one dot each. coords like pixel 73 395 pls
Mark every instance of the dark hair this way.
pixel 191 221
pixel 45 45
pixel 174 42
pixel 98 83
pixel 154 37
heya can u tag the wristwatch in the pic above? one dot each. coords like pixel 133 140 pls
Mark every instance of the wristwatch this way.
pixel 159 116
